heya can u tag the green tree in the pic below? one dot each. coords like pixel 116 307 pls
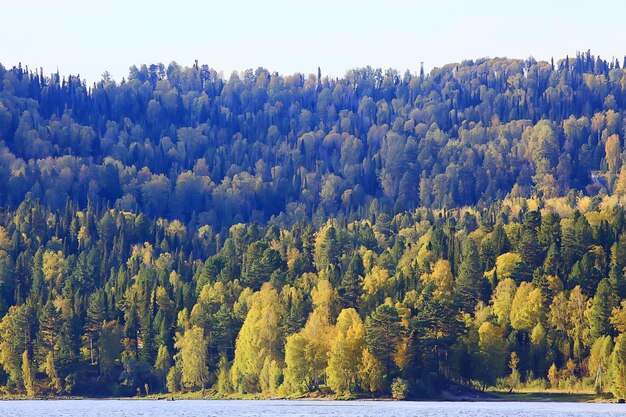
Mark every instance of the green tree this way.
pixel 297 372
pixel 96 314
pixel 383 333
pixel 109 348
pixel 599 312
pixel 327 249
pixel 470 283
pixel 350 288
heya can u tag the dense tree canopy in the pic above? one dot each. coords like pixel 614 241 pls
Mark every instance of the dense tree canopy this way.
pixel 278 235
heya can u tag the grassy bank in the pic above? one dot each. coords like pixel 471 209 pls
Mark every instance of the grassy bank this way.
pixel 553 396
pixel 451 395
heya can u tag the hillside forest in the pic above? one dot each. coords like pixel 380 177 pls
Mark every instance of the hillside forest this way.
pixel 379 234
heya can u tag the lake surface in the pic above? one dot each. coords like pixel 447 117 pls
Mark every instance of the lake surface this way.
pixel 190 408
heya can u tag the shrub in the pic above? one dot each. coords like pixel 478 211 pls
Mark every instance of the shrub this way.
pixel 399 389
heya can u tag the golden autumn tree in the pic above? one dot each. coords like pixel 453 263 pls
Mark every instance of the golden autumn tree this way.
pixel 577 321
pixel 346 352
pixel 306 352
pixel 527 307
pixel 618 367
pixel 492 352
pixel 599 362
pixel 258 338
pixel 620 184
pixel 613 150
pixel 372 373
pixel 502 300
pixel 28 373
pixel 441 276
pixel 192 354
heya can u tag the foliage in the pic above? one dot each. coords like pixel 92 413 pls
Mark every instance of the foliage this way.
pixel 266 234
pixel 399 389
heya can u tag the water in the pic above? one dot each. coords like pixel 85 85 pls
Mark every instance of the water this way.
pixel 138 408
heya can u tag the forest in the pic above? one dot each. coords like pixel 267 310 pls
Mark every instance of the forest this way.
pixel 377 235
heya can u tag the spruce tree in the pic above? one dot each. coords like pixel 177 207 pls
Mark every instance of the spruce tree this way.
pixel 470 285
pixel 599 313
pixel 350 287
pixel 383 331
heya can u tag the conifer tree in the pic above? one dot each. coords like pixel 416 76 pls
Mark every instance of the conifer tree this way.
pixel 600 310
pixel 470 284
pixel 383 332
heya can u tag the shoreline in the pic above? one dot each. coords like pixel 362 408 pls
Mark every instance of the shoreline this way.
pixel 489 396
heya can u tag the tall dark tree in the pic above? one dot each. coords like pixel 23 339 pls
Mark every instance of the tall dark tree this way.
pixel 470 286
pixel 383 331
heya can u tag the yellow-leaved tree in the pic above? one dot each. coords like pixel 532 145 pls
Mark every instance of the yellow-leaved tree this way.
pixel 618 367
pixel 620 184
pixel 492 352
pixel 599 361
pixel 506 264
pixel 193 357
pixel 527 307
pixel 306 352
pixel 28 372
pixel 502 300
pixel 346 352
pixel 258 339
pixel 577 321
pixel 441 276
pixel 613 150
pixel 372 373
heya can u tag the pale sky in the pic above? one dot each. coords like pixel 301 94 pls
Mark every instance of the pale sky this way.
pixel 89 37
